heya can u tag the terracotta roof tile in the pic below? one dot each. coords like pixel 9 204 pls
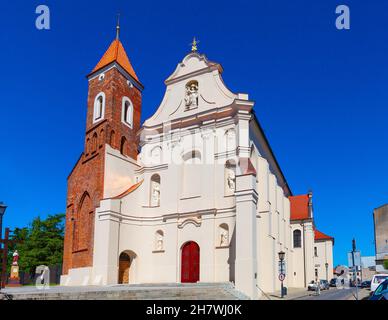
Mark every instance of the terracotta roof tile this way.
pixel 318 235
pixel 299 207
pixel 116 52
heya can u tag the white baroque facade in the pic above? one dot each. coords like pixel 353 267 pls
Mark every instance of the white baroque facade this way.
pixel 205 200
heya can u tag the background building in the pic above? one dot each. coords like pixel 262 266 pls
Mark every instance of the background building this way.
pixel 368 267
pixel 310 246
pixel 380 218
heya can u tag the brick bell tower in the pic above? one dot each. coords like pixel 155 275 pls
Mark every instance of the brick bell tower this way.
pixel 113 118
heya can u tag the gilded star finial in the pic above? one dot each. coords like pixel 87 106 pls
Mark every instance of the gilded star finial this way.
pixel 194 44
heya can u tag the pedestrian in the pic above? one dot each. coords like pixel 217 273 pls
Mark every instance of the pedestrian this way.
pixel 318 287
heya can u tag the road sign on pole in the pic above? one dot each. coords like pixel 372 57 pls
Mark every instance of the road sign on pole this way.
pixel 282 267
pixel 354 261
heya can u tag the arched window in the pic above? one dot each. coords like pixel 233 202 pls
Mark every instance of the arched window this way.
pixel 155 191
pixel 94 142
pixel 112 139
pixel 87 147
pixel 230 140
pixel 191 174
pixel 99 107
pixel 102 138
pixel 83 224
pixel 156 155
pixel 123 146
pixel 297 239
pixel 127 112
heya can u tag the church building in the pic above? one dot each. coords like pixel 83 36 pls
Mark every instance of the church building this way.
pixel 194 194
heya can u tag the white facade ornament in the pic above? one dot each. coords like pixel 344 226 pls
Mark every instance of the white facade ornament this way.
pixel 191 97
pixel 224 238
pixel 155 193
pixel 231 180
pixel 159 241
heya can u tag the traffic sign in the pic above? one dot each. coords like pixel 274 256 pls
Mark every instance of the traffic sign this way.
pixel 282 268
pixel 282 276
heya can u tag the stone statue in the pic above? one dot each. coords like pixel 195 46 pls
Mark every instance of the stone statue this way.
pixel 231 180
pixel 191 98
pixel 15 258
pixel 159 242
pixel 156 194
pixel 224 238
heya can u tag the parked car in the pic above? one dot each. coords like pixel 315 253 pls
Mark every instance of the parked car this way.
pixel 354 283
pixel 323 285
pixel 376 280
pixel 366 284
pixel 312 286
pixel 381 293
pixel 333 282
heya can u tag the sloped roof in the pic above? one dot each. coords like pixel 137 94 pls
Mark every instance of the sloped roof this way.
pixel 318 235
pixel 299 207
pixel 116 53
pixel 128 191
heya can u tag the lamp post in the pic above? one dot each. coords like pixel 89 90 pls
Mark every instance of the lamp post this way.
pixel 3 207
pixel 281 276
pixel 327 271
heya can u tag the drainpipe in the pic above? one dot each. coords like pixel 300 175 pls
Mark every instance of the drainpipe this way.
pixel 118 245
pixel 304 256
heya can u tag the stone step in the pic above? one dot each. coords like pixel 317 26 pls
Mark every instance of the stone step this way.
pixel 154 292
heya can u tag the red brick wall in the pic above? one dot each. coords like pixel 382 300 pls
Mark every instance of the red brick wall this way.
pixel 115 88
pixel 87 178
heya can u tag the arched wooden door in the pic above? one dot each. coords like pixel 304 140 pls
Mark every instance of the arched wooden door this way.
pixel 190 262
pixel 124 265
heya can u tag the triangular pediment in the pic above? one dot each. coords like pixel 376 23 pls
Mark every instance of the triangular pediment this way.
pixel 195 86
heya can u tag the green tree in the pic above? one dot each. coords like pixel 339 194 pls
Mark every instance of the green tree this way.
pixel 39 243
pixel 385 263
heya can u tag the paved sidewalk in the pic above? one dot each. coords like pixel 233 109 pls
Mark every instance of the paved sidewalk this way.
pixel 293 293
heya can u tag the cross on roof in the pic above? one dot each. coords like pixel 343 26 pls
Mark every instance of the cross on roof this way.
pixel 194 44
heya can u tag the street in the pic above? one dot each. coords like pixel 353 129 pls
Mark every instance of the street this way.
pixel 337 294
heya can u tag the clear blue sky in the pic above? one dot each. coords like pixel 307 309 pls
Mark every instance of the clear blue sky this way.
pixel 321 94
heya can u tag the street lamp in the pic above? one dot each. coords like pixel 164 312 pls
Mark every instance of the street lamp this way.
pixel 281 255
pixel 3 207
pixel 327 272
pixel 281 276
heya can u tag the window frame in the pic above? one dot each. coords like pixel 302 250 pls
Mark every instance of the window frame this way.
pixel 123 112
pixel 299 243
pixel 95 106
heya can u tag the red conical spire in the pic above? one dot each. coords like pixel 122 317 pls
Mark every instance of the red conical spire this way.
pixel 116 52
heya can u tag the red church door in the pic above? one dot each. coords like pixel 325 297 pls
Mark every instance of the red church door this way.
pixel 190 262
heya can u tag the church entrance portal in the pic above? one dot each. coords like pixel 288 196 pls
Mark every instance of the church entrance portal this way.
pixel 190 262
pixel 124 265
